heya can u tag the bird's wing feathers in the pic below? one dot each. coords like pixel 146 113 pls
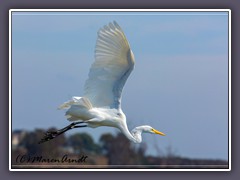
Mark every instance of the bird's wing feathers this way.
pixel 114 62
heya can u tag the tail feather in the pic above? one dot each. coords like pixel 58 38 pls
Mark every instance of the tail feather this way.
pixel 79 101
pixel 71 118
pixel 78 108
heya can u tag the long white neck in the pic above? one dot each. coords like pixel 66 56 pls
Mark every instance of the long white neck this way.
pixel 135 135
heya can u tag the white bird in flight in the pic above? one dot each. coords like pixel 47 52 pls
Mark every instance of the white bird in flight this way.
pixel 101 102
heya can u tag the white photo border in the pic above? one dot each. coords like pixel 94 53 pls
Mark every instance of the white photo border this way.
pixel 119 10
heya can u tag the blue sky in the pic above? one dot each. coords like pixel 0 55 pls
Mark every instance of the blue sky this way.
pixel 179 84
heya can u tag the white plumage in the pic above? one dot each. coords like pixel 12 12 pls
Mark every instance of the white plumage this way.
pixel 101 102
pixel 114 61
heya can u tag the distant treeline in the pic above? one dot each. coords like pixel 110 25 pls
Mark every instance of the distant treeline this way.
pixel 80 151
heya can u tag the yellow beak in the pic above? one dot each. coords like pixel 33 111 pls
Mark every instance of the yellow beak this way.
pixel 158 132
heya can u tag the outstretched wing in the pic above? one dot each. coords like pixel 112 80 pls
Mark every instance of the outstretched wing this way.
pixel 114 62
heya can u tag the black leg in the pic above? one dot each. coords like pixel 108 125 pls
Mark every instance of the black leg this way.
pixel 80 126
pixel 51 135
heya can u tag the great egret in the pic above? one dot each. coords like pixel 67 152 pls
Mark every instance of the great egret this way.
pixel 101 102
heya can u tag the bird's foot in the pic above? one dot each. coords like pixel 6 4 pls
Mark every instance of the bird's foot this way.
pixel 49 135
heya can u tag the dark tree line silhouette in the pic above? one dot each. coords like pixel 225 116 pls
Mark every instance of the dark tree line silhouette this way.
pixel 110 150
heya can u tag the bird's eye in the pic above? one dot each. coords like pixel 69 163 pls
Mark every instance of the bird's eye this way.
pixel 119 114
